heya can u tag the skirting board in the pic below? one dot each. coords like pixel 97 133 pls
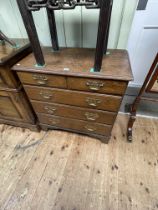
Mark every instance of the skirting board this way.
pixel 146 108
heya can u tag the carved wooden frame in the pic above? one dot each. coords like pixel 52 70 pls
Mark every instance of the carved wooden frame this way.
pixel 26 6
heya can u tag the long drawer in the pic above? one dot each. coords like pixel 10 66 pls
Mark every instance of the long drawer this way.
pixel 78 125
pixel 76 98
pixel 97 85
pixel 74 112
pixel 42 79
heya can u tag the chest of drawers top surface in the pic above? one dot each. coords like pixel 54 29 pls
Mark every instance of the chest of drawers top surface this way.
pixel 79 62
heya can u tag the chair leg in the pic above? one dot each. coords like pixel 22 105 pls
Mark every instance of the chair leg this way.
pixel 53 30
pixel 130 126
pixel 103 29
pixel 31 31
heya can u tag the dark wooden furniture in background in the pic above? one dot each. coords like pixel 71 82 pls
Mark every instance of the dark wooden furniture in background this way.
pixel 150 85
pixel 14 106
pixel 78 90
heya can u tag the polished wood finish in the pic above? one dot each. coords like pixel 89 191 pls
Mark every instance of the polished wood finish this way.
pixel 76 125
pixel 14 106
pixel 90 115
pixel 148 86
pixel 75 98
pixel 43 79
pixel 78 62
pixel 65 90
pixel 97 85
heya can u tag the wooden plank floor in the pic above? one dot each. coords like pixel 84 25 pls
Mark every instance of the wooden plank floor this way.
pixel 63 171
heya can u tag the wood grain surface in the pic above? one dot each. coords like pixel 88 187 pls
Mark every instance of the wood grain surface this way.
pixel 62 171
pixel 79 61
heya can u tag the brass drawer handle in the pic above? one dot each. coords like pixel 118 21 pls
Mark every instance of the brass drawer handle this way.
pixel 54 121
pixel 93 102
pixel 90 128
pixel 41 79
pixel 91 116
pixel 46 95
pixel 94 85
pixel 49 109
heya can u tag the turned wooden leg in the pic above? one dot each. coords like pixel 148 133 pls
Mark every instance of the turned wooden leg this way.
pixel 130 127
pixel 53 30
pixel 32 32
pixel 103 29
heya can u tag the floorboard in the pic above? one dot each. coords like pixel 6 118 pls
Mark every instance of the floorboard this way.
pixel 57 170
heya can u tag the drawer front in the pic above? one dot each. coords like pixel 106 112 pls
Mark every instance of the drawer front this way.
pixel 76 98
pixel 42 79
pixel 78 125
pixel 74 112
pixel 7 107
pixel 97 85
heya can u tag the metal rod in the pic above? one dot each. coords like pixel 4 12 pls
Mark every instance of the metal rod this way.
pixel 31 31
pixel 53 30
pixel 104 19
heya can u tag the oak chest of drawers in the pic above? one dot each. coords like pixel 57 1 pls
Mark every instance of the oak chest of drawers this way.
pixel 15 109
pixel 66 95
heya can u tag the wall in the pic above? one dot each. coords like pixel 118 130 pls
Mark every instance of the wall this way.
pixel 76 28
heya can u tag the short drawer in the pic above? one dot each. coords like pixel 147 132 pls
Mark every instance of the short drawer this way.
pixel 97 85
pixel 42 79
pixel 74 112
pixel 78 125
pixel 75 98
